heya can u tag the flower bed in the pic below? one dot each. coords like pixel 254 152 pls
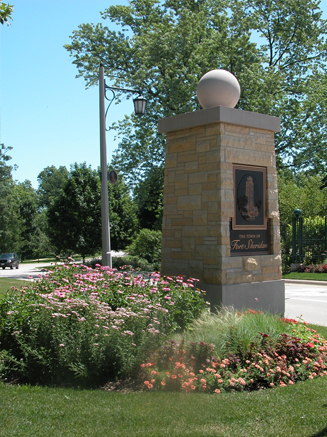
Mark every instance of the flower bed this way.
pixel 85 325
pixel 186 366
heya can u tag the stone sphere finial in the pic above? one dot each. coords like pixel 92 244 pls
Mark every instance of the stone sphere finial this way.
pixel 218 88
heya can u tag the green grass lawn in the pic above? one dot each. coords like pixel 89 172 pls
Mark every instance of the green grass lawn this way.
pixel 7 283
pixel 306 276
pixel 299 410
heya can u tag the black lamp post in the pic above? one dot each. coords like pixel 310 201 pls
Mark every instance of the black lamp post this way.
pixel 139 107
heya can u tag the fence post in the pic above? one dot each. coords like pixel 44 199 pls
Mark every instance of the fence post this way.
pixel 325 234
pixel 293 239
pixel 297 231
pixel 300 239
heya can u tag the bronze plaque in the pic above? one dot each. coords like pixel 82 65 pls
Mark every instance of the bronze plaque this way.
pixel 249 242
pixel 249 198
pixel 249 233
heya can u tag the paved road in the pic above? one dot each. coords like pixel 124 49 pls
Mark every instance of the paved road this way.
pixel 306 300
pixel 25 271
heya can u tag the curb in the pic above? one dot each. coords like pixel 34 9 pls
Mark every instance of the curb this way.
pixel 302 281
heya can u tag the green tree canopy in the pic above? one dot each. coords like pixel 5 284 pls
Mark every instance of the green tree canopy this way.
pixel 27 205
pixel 165 47
pixel 5 12
pixel 122 215
pixel 51 182
pixel 75 216
pixel 148 195
pixel 9 214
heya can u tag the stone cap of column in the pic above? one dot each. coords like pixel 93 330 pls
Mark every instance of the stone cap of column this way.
pixel 219 114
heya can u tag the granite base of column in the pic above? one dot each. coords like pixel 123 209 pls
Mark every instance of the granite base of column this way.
pixel 264 296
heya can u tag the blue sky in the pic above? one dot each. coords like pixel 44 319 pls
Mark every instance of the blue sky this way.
pixel 47 115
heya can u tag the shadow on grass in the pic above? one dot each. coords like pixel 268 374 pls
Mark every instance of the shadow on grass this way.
pixel 321 433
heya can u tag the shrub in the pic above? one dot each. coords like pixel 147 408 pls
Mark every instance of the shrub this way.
pixel 147 245
pixel 128 261
pixel 312 268
pixel 86 326
pixel 267 362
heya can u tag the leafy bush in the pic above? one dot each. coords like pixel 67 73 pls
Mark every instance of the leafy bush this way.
pixel 312 268
pixel 147 245
pixel 86 326
pixel 266 362
pixel 128 261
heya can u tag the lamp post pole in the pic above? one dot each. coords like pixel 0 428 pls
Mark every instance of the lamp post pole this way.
pixel 139 108
pixel 106 252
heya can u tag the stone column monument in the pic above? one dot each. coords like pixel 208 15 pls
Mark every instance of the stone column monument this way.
pixel 220 216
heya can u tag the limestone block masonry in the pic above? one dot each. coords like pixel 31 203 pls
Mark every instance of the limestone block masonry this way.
pixel 201 149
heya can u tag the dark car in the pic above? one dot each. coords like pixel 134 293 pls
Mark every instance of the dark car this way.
pixel 9 260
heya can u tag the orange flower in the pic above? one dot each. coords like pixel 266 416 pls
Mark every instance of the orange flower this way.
pixel 153 381
pixel 241 380
pixel 163 383
pixel 290 382
pixel 150 386
pixel 173 377
pixel 146 382
pixel 192 387
pixel 200 371
pixel 154 372
pixel 217 390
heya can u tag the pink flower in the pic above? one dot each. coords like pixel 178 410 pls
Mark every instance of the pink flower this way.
pixel 61 345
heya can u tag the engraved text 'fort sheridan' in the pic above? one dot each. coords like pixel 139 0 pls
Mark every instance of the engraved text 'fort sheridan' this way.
pixel 250 245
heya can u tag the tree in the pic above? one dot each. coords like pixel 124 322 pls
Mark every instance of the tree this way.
pixel 75 216
pixel 165 47
pixel 300 191
pixel 148 197
pixel 122 215
pixel 9 215
pixel 51 182
pixel 27 206
pixel 5 12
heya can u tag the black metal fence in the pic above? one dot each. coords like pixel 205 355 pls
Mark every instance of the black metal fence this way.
pixel 309 239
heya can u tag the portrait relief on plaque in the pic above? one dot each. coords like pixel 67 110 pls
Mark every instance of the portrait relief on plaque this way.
pixel 249 197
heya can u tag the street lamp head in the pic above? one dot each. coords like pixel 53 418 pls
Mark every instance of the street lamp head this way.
pixel 139 105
